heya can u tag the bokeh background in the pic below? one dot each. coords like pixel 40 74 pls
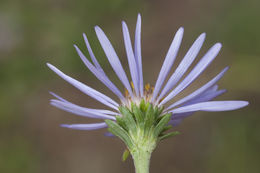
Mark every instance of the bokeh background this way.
pixel 33 32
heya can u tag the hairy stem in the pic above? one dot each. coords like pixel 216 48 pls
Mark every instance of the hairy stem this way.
pixel 141 159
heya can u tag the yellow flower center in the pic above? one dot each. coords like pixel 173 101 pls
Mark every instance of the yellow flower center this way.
pixel 148 93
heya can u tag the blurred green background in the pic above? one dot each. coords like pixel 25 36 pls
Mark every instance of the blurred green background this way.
pixel 33 32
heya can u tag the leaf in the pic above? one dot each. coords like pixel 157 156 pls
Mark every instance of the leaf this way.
pixel 149 115
pixel 128 119
pixel 121 122
pixel 149 119
pixel 147 105
pixel 157 111
pixel 160 110
pixel 142 105
pixel 159 127
pixel 118 131
pixel 138 114
pixel 169 135
pixel 125 155
pixel 165 128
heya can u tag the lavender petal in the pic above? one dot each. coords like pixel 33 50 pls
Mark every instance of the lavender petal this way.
pixel 212 106
pixel 92 56
pixel 175 122
pixel 86 89
pixel 93 126
pixel 131 58
pixel 100 75
pixel 200 90
pixel 197 70
pixel 168 62
pixel 58 97
pixel 205 97
pixel 78 110
pixel 183 66
pixel 113 58
pixel 109 112
pixel 138 54
pixel 208 95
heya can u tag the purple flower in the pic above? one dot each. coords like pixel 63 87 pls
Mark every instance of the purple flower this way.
pixel 163 92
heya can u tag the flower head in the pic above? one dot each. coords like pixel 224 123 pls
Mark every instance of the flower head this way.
pixel 140 97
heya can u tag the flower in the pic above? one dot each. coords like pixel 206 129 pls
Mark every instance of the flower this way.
pixel 163 91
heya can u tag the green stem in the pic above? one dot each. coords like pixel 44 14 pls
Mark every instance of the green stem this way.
pixel 141 159
pixel 141 127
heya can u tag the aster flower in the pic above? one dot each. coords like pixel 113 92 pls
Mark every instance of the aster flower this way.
pixel 142 115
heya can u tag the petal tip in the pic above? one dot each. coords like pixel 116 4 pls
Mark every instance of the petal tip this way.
pixel 124 25
pixel 75 46
pixel 246 103
pixel 85 37
pixel 218 45
pixel 97 28
pixel 50 65
pixel 203 35
pixel 51 93
pixel 139 19
pixel 65 125
pixel 181 29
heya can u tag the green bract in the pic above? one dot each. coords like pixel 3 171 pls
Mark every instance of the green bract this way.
pixel 141 126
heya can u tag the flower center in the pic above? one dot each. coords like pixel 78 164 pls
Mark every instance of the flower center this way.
pixel 147 96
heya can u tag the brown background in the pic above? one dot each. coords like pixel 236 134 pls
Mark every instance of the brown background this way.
pixel 33 32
